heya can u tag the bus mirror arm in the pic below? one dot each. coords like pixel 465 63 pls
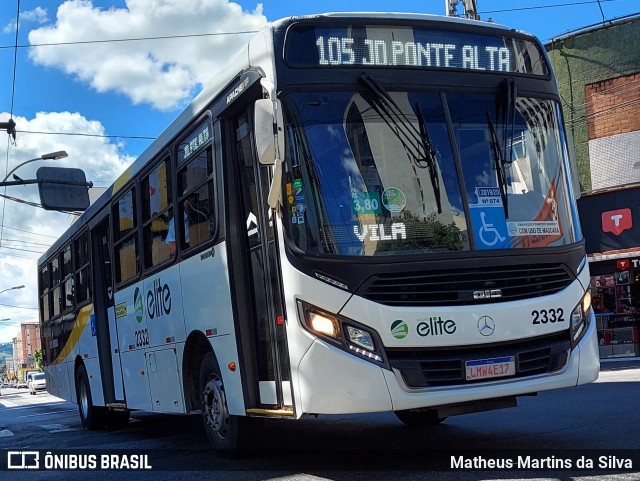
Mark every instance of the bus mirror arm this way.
pixel 275 190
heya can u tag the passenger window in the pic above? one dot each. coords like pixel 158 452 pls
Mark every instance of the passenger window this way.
pixel 125 239
pixel 196 203
pixel 157 215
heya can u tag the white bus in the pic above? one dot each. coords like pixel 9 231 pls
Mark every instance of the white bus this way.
pixel 376 213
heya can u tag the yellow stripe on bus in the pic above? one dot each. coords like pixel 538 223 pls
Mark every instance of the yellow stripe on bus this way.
pixel 120 181
pixel 78 326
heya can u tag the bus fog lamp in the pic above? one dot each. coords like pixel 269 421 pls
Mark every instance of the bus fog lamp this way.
pixel 360 337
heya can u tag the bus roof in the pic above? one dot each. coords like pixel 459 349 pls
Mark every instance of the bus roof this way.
pixel 394 16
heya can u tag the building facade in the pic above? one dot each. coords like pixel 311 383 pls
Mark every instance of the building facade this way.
pixel 598 73
pixel 24 347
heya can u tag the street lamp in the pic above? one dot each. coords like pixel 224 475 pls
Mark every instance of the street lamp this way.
pixel 51 156
pixel 11 288
pixel 6 319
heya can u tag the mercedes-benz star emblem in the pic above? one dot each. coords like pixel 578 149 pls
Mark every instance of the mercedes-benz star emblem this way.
pixel 486 326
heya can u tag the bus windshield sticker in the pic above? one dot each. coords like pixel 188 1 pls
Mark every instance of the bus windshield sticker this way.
pixel 365 203
pixel 394 199
pixel 538 228
pixel 488 196
pixel 490 227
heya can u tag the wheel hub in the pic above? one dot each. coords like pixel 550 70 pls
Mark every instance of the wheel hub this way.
pixel 214 407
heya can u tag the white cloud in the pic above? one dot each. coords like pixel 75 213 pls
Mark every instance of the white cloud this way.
pixel 162 73
pixel 29 231
pixel 37 15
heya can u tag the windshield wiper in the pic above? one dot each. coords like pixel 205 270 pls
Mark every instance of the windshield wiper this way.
pixel 416 142
pixel 430 157
pixel 509 96
pixel 503 154
pixel 499 163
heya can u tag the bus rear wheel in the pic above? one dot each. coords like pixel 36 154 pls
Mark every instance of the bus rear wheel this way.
pixel 419 419
pixel 92 417
pixel 228 434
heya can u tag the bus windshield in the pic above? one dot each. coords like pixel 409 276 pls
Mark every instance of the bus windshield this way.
pixel 402 172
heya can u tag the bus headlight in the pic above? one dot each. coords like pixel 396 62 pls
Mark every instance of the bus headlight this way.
pixel 344 333
pixel 580 318
pixel 322 323
pixel 360 337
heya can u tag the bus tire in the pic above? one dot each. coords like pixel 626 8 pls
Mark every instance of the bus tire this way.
pixel 419 419
pixel 92 417
pixel 228 434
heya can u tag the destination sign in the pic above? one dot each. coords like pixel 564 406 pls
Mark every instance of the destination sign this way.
pixel 376 46
pixel 197 139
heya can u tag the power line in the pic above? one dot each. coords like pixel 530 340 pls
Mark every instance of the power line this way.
pixel 25 240
pixel 604 111
pixel 29 232
pixel 25 243
pixel 18 307
pixel 131 39
pixel 21 250
pixel 15 59
pixel 135 137
pixel 538 7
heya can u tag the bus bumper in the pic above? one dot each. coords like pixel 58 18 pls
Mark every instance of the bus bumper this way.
pixel 332 381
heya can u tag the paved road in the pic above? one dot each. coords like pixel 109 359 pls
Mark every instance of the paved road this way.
pixel 588 420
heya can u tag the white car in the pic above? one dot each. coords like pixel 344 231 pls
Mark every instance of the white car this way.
pixel 37 382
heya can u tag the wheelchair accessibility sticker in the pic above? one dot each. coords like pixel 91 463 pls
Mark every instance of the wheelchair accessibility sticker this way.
pixel 490 227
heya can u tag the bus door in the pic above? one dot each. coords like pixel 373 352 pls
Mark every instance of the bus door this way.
pixel 258 283
pixel 106 331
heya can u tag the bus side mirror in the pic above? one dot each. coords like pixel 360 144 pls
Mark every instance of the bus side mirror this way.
pixel 63 188
pixel 269 139
pixel 268 129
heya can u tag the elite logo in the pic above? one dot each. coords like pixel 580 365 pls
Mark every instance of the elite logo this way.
pixel 158 300
pixel 616 221
pixel 137 303
pixel 399 329
pixel 435 326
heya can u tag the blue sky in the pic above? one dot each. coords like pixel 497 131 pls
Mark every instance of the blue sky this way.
pixel 119 95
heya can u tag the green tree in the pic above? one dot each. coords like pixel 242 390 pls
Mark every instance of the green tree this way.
pixel 37 355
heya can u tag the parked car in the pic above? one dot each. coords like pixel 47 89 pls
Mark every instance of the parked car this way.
pixel 37 382
pixel 21 385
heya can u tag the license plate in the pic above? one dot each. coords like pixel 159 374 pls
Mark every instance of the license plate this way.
pixel 489 368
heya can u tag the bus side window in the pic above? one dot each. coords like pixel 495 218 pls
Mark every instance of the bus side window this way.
pixel 195 181
pixel 125 238
pixel 156 214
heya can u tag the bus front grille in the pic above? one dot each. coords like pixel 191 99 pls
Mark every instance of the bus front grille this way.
pixel 435 367
pixel 467 286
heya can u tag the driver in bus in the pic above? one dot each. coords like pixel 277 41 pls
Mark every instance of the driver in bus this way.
pixel 191 216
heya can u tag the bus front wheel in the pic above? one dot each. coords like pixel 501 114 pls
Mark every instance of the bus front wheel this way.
pixel 419 419
pixel 92 417
pixel 228 434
